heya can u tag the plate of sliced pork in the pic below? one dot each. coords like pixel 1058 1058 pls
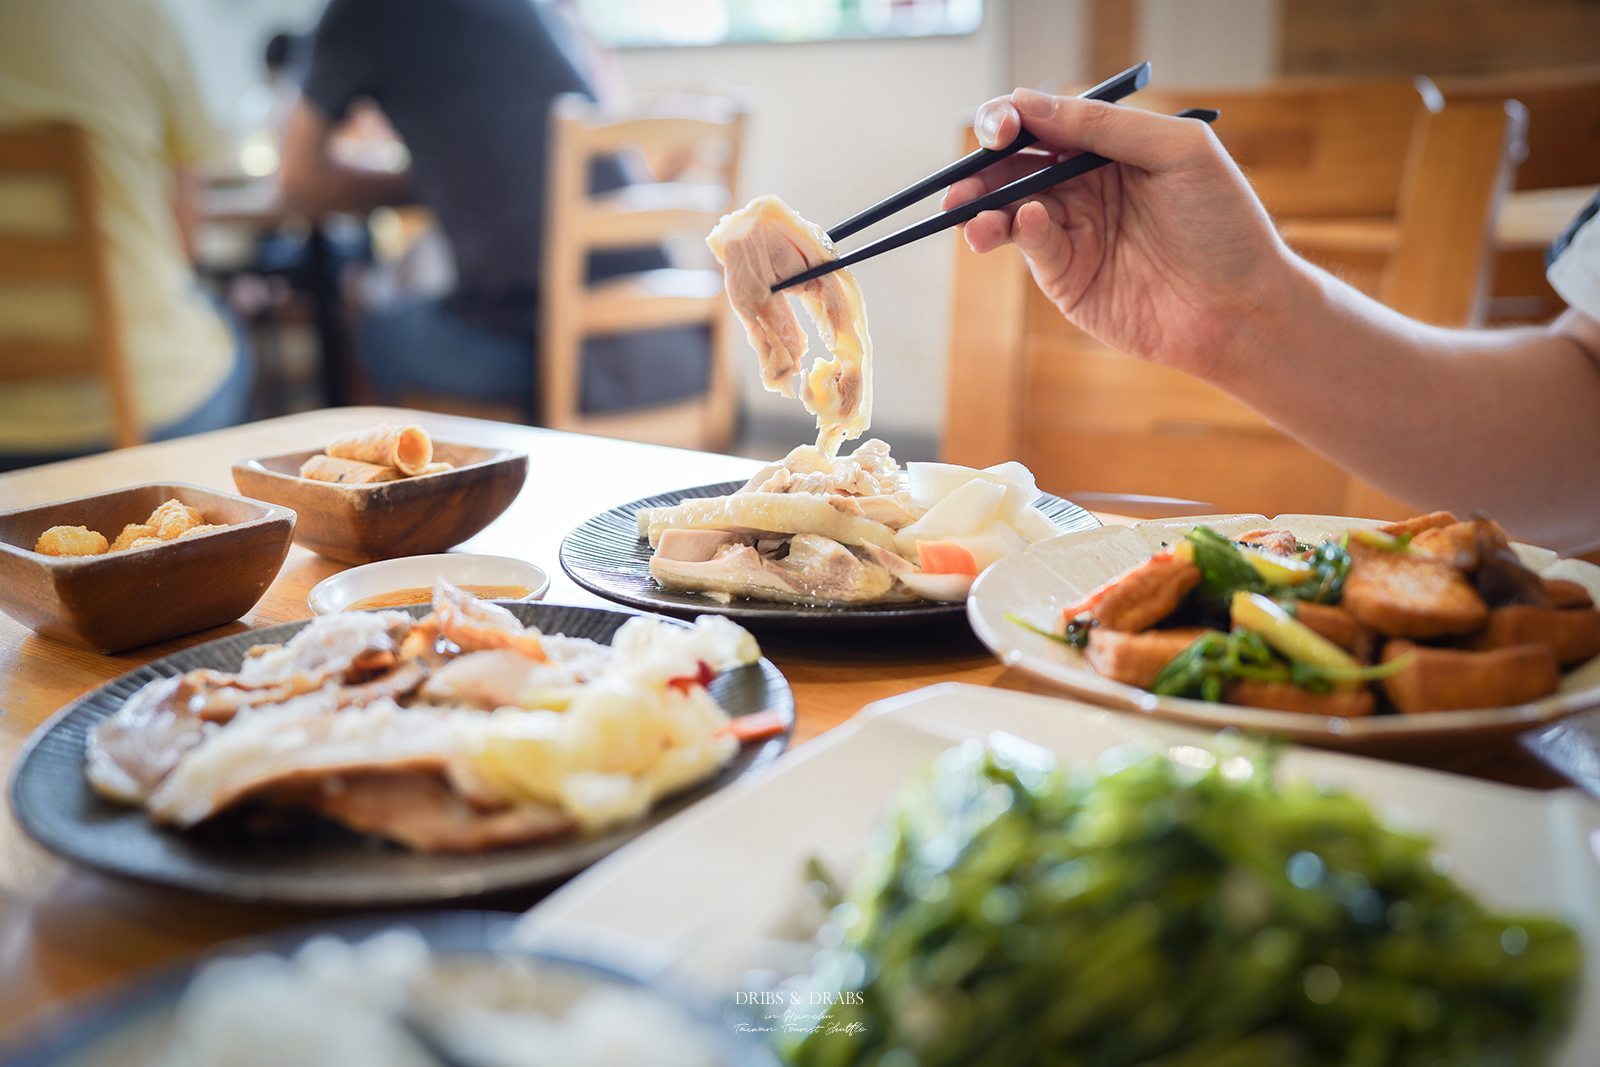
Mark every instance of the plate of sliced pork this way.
pixel 401 756
pixel 1435 640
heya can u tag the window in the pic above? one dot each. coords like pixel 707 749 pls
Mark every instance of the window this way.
pixel 646 23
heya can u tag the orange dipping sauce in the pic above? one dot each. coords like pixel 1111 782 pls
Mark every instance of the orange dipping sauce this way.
pixel 400 597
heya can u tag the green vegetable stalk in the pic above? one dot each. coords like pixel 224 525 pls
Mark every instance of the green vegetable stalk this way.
pixel 1170 912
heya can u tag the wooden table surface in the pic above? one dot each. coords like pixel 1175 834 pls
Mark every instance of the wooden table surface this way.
pixel 65 929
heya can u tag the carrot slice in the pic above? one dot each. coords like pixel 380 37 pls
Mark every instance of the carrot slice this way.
pixel 755 726
pixel 945 557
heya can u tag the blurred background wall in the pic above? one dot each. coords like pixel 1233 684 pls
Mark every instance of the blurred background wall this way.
pixel 837 125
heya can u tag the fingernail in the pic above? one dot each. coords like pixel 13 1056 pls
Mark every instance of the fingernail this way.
pixel 1031 102
pixel 989 122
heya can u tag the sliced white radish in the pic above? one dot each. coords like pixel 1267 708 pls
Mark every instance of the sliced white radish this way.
pixel 966 510
pixel 948 587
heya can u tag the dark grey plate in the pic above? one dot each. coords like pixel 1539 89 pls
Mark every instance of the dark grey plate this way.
pixel 124 1024
pixel 607 557
pixel 55 805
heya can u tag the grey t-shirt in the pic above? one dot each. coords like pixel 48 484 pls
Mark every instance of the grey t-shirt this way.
pixel 467 84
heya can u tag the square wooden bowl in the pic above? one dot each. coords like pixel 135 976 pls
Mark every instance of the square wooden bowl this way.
pixel 138 596
pixel 408 517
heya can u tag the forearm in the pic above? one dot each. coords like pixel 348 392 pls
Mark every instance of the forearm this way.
pixel 314 182
pixel 335 186
pixel 1507 422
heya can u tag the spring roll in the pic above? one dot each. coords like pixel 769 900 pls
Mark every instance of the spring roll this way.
pixel 408 449
pixel 348 471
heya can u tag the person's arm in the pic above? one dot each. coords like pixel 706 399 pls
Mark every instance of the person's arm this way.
pixel 1170 257
pixel 314 182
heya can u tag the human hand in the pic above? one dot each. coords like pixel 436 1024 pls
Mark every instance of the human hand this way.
pixel 1166 254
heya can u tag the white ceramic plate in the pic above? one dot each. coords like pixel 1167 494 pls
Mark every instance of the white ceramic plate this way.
pixel 1037 584
pixel 418 572
pixel 713 893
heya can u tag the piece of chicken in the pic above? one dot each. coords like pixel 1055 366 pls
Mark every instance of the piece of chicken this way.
pixel 763 243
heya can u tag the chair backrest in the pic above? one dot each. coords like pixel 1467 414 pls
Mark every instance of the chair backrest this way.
pixel 1563 120
pixel 72 254
pixel 1557 177
pixel 1378 180
pixel 694 139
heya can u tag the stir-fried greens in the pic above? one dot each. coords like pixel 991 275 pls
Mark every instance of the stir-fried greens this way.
pixel 1170 911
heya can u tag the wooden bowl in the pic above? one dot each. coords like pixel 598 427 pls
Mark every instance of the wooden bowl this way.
pixel 408 517
pixel 138 596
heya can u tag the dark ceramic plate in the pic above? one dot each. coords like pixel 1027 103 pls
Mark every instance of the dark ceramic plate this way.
pixel 327 866
pixel 606 556
pixel 127 1023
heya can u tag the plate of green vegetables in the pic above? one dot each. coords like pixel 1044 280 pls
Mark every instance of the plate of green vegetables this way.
pixel 967 875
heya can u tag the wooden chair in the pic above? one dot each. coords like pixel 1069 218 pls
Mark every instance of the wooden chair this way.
pixel 58 157
pixel 1558 175
pixel 1372 179
pixel 695 138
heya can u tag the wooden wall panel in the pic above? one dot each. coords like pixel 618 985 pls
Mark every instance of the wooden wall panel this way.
pixel 1376 38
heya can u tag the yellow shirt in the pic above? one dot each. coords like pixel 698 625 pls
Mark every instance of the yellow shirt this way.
pixel 118 69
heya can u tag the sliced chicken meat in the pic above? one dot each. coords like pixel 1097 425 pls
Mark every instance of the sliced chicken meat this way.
pixel 816 570
pixel 761 244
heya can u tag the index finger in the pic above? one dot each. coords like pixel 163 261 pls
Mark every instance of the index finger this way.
pixel 1127 134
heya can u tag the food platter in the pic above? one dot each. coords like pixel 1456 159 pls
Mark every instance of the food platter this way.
pixel 607 557
pixel 1035 585
pixel 130 1023
pixel 55 805
pixel 1517 850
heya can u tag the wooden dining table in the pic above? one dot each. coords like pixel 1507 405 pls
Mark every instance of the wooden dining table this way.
pixel 66 929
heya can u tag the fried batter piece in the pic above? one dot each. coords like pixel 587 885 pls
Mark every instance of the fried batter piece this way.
pixel 1454 679
pixel 1136 658
pixel 1572 634
pixel 1410 594
pixel 1344 703
pixel 1418 523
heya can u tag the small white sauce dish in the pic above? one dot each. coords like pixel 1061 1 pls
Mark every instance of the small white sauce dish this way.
pixel 339 591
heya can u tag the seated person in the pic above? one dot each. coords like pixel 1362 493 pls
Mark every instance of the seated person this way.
pixel 118 69
pixel 467 86
pixel 1168 256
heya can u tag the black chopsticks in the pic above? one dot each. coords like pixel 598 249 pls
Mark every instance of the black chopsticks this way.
pixel 1123 84
pixel 1112 89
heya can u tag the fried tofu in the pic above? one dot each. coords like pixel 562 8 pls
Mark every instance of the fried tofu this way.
pixel 1417 523
pixel 1141 597
pixel 1341 702
pixel 1338 626
pixel 1136 658
pixel 1410 594
pixel 1454 679
pixel 1566 593
pixel 1573 634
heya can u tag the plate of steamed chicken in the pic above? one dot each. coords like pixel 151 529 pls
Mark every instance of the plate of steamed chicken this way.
pixel 1343 632
pixel 402 756
pixel 821 535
